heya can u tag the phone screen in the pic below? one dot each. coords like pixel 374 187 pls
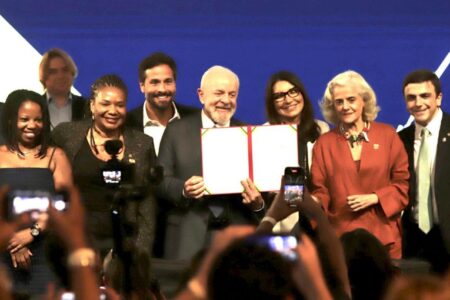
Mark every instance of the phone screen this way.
pixel 34 202
pixel 284 244
pixel 293 192
pixel 293 184
pixel 71 296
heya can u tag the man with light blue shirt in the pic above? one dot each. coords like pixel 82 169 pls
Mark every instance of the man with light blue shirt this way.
pixel 57 72
pixel 426 220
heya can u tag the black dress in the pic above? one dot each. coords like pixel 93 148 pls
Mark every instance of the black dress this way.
pixel 87 173
pixel 35 280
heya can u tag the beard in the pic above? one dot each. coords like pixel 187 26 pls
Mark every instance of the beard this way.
pixel 162 105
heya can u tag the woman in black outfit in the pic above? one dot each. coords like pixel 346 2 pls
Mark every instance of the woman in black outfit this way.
pixel 28 162
pixel 84 143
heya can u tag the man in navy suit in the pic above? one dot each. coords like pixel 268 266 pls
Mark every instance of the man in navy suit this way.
pixel 426 220
pixel 196 216
pixel 157 81
pixel 57 72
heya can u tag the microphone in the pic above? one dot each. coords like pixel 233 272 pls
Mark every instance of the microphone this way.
pixel 112 147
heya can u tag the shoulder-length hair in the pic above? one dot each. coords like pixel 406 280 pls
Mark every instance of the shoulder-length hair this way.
pixel 308 129
pixel 10 115
pixel 44 66
pixel 356 80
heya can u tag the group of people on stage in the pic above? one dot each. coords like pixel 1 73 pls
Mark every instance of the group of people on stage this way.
pixel 361 172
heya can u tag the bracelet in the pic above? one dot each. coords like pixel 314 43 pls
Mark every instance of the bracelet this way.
pixel 83 257
pixel 261 208
pixel 197 289
pixel 270 220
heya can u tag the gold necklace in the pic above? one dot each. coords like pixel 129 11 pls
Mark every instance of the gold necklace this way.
pixel 23 154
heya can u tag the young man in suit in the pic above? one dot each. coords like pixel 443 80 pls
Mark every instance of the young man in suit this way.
pixel 57 71
pixel 426 220
pixel 196 216
pixel 157 81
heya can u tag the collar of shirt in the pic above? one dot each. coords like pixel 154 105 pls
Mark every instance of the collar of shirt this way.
pixel 49 98
pixel 434 126
pixel 150 122
pixel 208 123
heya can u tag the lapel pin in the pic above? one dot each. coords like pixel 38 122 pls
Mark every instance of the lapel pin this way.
pixel 444 139
pixel 376 146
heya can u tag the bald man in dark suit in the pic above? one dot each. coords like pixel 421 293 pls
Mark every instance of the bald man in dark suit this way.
pixel 195 216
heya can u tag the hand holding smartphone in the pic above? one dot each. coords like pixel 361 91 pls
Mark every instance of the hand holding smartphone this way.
pixel 294 184
pixel 33 202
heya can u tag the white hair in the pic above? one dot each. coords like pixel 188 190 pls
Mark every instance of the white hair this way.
pixel 214 69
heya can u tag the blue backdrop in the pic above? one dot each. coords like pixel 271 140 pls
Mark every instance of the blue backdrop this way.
pixel 383 40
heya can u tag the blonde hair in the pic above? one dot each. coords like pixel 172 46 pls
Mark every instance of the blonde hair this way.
pixel 44 66
pixel 356 80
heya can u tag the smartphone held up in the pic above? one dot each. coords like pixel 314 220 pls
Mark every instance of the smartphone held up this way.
pixel 294 184
pixel 33 202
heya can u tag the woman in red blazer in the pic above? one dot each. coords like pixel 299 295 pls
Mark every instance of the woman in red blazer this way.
pixel 360 168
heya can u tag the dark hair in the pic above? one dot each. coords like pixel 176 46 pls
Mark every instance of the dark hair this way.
pixel 308 129
pixel 10 115
pixel 370 269
pixel 249 271
pixel 142 283
pixel 423 75
pixel 156 59
pixel 109 80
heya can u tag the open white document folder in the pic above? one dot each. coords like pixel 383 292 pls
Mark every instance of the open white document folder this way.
pixel 260 153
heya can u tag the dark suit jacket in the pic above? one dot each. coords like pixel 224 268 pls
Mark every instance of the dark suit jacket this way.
pixel 79 108
pixel 2 140
pixel 442 173
pixel 135 117
pixel 180 155
pixel 138 147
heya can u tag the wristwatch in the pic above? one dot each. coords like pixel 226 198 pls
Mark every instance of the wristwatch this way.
pixel 35 230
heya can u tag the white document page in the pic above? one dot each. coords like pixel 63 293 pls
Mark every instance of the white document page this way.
pixel 275 147
pixel 224 159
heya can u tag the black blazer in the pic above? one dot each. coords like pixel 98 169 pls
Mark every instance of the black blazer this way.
pixel 80 108
pixel 441 175
pixel 135 117
pixel 139 150
pixel 180 156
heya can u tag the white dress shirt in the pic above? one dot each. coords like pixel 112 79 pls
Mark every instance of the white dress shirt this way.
pixel 208 123
pixel 433 126
pixel 155 129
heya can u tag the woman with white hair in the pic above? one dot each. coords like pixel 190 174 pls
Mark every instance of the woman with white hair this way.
pixel 360 168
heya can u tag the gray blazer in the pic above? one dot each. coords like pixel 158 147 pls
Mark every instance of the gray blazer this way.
pixel 139 150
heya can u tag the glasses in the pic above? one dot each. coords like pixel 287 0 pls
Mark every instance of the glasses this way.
pixel 280 97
